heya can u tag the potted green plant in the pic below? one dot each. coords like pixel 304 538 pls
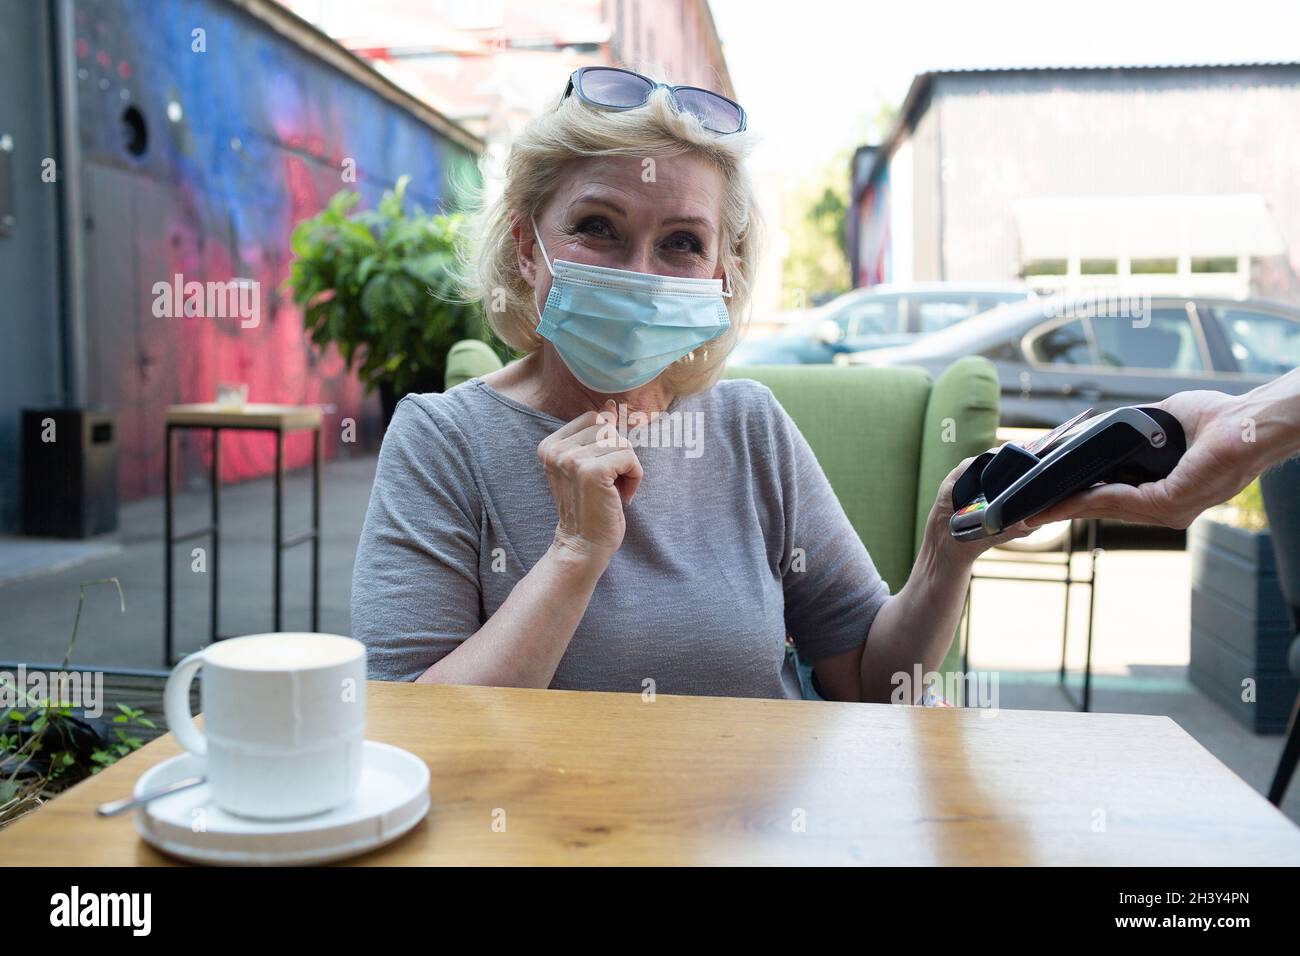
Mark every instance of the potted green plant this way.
pixel 46 746
pixel 380 285
pixel 1240 629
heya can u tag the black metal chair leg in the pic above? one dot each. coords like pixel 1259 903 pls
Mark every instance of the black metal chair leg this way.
pixel 278 530
pixel 1069 580
pixel 214 566
pixel 1092 614
pixel 317 452
pixel 167 550
pixel 1290 756
pixel 966 630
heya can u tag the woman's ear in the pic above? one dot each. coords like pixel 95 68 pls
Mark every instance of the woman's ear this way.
pixel 721 273
pixel 525 246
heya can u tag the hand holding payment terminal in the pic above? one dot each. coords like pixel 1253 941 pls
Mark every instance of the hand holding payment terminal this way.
pixel 1006 485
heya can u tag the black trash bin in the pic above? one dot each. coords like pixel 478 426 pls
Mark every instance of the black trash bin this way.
pixel 69 472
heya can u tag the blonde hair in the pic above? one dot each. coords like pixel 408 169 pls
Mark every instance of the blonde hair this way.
pixel 573 132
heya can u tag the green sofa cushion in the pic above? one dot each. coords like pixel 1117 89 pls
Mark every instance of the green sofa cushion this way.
pixel 469 358
pixel 961 421
pixel 886 439
pixel 865 427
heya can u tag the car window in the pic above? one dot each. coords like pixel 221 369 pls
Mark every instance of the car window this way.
pixel 1064 345
pixel 870 317
pixel 935 314
pixel 1261 342
pixel 1003 301
pixel 1168 341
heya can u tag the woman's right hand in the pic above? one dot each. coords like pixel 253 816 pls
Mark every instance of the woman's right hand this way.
pixel 593 471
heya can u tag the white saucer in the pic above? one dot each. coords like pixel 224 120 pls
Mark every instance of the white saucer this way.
pixel 392 798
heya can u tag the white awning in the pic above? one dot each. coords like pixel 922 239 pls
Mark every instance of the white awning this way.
pixel 1146 227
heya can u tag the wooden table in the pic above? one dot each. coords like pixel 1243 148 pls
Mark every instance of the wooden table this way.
pixel 609 778
pixel 250 416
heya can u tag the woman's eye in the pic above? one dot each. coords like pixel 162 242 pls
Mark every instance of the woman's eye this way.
pixel 595 226
pixel 685 242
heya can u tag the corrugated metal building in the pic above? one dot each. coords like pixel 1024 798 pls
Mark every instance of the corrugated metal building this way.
pixel 1162 178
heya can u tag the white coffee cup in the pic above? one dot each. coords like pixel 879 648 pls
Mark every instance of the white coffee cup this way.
pixel 283 721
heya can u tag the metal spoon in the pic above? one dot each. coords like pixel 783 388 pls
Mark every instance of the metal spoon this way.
pixel 114 807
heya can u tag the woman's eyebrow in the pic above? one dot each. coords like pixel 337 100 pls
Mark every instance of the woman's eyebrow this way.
pixel 672 221
pixel 688 221
pixel 601 201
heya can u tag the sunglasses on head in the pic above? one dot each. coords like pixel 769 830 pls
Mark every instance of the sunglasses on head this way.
pixel 610 88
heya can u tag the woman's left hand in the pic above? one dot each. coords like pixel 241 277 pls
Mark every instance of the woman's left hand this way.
pixel 937 524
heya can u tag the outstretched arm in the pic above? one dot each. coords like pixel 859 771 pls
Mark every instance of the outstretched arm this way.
pixel 1230 440
pixel 916 625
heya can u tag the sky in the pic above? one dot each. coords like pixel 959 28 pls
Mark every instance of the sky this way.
pixel 812 74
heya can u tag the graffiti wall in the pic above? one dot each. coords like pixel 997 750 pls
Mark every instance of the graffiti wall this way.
pixel 205 137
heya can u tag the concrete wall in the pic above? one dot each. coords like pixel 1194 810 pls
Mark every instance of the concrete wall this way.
pixel 677 37
pixel 1011 136
pixel 928 192
pixel 30 359
pixel 982 141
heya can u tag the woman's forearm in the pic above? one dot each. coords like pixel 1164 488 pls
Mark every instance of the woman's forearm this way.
pixel 916 625
pixel 522 643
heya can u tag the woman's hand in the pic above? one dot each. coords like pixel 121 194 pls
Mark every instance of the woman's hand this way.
pixel 937 533
pixel 593 472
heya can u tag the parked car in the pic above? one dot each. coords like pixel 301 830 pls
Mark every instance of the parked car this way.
pixel 881 316
pixel 1057 357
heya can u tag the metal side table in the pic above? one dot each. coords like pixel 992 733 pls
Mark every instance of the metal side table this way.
pixel 279 420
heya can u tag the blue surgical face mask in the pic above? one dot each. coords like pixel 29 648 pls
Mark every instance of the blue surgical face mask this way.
pixel 617 330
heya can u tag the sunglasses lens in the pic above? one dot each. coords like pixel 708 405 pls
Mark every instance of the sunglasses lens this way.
pixel 714 112
pixel 615 88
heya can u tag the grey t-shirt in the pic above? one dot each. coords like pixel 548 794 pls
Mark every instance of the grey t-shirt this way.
pixel 732 542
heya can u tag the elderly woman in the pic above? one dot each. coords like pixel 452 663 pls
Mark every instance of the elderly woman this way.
pixel 518 534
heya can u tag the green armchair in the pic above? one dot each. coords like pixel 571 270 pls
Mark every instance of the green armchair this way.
pixel 886 438
pixel 469 358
